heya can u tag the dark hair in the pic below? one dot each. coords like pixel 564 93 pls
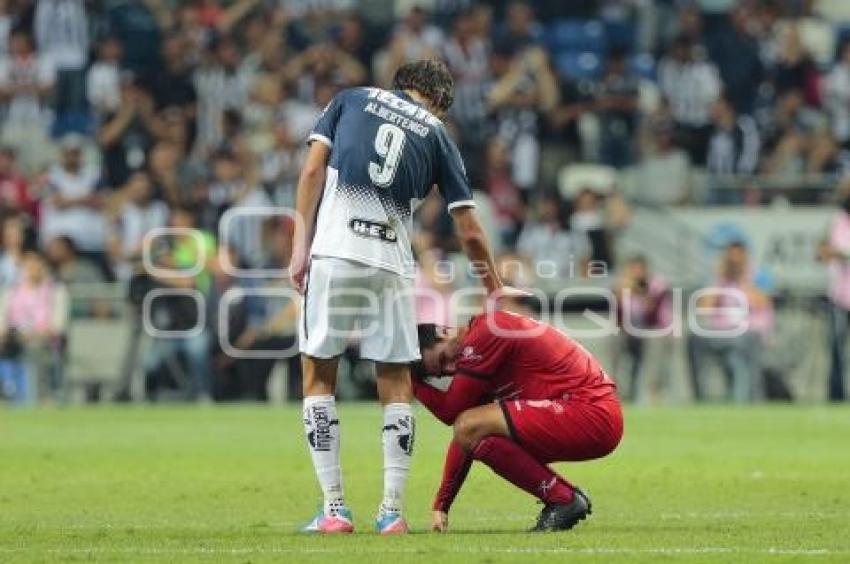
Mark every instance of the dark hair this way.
pixel 429 77
pixel 427 338
pixel 427 335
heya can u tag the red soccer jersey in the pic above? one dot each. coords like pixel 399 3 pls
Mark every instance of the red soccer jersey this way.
pixel 523 358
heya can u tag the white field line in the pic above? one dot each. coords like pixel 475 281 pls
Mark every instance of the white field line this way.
pixel 672 551
pixel 460 521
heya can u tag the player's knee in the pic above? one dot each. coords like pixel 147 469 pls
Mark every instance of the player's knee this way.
pixel 319 378
pixel 467 431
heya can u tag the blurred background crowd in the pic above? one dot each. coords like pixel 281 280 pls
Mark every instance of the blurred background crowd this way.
pixel 590 129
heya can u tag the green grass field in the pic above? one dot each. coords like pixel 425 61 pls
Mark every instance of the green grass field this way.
pixel 232 484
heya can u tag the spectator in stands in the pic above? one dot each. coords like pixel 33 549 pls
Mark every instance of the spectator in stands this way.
pixel 836 252
pixel 139 24
pixel 68 268
pixel 171 173
pixel 139 214
pixel 615 101
pixel 837 96
pixel 280 165
pixel 27 82
pixel 413 39
pixel 798 138
pixel 794 68
pixel 103 82
pixel 550 245
pixel 170 85
pixel 351 37
pixel 520 29
pixel 126 134
pixel 503 191
pixel 234 186
pixel 323 64
pixel 741 296
pixel 561 137
pixel 191 250
pixel 73 205
pixel 664 171
pixel 33 322
pixel 688 23
pixel 227 318
pixel 13 248
pixel 219 87
pixel 467 56
pixel 15 196
pixel 300 115
pixel 596 218
pixel 736 53
pixel 523 88
pixel 645 304
pixel 61 32
pixel 691 85
pixel 270 326
pixel 735 144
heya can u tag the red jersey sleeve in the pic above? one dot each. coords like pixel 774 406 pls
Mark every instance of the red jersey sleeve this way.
pixel 455 470
pixel 483 350
pixel 463 393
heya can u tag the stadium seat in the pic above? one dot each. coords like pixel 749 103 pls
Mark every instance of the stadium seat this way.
pixel 574 178
pixel 578 65
pixel 577 35
pixel 643 65
pixel 97 347
pixel 621 35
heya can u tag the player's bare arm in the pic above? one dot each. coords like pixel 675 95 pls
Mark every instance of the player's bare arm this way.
pixel 310 185
pixel 474 242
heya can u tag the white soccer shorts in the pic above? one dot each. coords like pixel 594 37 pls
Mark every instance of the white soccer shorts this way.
pixel 345 301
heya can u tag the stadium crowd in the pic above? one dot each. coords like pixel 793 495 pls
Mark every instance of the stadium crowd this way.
pixel 124 116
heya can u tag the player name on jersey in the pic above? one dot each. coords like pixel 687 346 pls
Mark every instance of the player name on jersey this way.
pixel 410 121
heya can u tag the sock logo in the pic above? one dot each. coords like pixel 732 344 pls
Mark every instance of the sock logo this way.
pixel 545 487
pixel 319 424
pixel 405 429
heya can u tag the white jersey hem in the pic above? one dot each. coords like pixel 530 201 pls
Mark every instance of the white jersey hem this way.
pixel 366 261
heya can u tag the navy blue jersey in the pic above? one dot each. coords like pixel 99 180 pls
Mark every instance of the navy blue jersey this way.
pixel 387 152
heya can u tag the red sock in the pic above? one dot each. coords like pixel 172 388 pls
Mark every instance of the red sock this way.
pixel 511 462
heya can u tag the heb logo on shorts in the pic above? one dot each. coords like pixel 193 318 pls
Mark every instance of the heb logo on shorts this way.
pixel 373 230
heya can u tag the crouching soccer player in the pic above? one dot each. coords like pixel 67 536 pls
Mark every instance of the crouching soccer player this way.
pixel 553 403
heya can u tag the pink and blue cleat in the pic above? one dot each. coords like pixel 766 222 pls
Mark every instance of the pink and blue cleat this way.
pixel 391 524
pixel 337 521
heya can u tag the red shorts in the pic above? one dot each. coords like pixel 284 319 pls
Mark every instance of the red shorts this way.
pixel 565 429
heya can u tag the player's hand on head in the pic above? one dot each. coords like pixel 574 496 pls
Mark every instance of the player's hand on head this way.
pixel 513 292
pixel 440 522
pixel 509 293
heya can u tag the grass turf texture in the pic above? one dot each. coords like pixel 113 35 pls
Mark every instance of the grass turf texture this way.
pixel 232 484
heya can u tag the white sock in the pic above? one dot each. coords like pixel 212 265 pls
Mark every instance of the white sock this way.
pixel 398 436
pixel 321 426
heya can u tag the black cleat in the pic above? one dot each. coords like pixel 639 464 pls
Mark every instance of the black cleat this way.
pixel 563 516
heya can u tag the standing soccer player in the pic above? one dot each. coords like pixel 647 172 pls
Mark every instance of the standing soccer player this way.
pixel 374 154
